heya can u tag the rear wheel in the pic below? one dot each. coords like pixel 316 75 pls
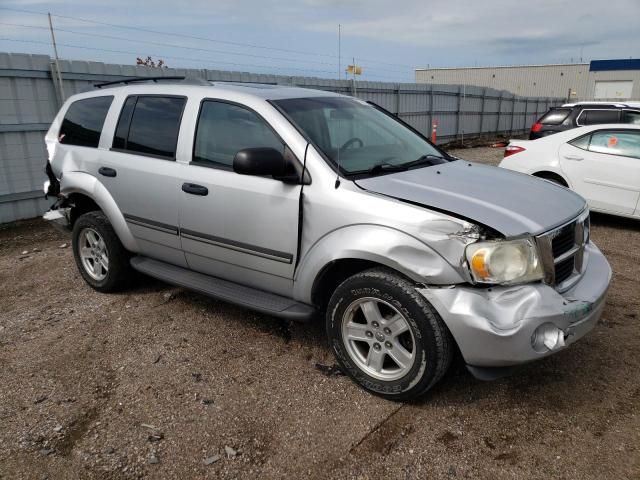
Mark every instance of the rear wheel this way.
pixel 101 258
pixel 386 336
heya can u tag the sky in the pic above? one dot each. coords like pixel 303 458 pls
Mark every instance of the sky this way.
pixel 389 39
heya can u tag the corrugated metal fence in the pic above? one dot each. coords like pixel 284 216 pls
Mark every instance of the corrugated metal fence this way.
pixel 29 99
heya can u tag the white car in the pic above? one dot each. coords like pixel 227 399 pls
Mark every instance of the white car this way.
pixel 600 162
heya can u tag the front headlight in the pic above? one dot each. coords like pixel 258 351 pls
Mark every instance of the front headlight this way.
pixel 504 261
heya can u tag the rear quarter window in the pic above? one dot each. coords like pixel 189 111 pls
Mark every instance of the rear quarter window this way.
pixel 555 116
pixel 581 142
pixel 82 124
pixel 631 116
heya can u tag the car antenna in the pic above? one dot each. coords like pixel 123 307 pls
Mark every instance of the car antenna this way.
pixel 338 161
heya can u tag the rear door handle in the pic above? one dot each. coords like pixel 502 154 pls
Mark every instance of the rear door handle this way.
pixel 107 172
pixel 574 157
pixel 195 189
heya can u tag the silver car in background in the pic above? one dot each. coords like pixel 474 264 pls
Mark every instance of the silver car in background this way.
pixel 311 205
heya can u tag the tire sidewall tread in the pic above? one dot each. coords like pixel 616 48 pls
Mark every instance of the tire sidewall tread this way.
pixel 433 342
pixel 120 270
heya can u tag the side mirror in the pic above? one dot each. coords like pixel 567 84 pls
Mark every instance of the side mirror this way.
pixel 265 162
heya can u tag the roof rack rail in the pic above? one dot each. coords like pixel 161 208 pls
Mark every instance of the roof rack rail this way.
pixel 180 79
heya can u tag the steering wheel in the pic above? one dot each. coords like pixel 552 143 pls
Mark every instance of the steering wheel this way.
pixel 350 142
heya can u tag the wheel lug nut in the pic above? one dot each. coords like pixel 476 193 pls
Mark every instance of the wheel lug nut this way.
pixel 388 344
pixel 375 324
pixel 387 331
pixel 368 333
pixel 376 346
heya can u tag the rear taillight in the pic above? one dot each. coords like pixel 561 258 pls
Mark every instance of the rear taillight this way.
pixel 536 127
pixel 512 150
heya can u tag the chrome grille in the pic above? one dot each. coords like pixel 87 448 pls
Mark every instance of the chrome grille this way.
pixel 562 252
pixel 564 240
pixel 564 269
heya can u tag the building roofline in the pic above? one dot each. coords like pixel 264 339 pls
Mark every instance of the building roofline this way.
pixel 504 66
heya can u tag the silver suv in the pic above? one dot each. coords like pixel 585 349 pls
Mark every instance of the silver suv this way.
pixel 306 204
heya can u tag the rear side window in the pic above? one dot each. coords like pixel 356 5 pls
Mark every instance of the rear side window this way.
pixel 621 143
pixel 82 124
pixel 555 116
pixel 595 117
pixel 224 129
pixel 630 116
pixel 149 125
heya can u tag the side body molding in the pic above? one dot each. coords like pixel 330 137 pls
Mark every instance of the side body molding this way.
pixel 80 182
pixel 384 245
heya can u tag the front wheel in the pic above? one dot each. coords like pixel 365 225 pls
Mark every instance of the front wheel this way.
pixel 386 336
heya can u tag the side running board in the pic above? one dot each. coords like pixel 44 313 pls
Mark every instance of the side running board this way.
pixel 231 292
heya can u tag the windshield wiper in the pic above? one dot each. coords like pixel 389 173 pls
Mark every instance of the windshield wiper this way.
pixel 425 160
pixel 385 167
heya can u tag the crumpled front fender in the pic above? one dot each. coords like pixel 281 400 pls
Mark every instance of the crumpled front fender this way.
pixel 384 245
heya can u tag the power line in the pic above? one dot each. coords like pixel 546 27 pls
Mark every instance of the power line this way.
pixel 128 52
pixel 141 29
pixel 194 37
pixel 200 60
pixel 171 45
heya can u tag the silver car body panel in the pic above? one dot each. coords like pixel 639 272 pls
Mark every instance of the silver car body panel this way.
pixel 246 229
pixel 513 204
pixel 86 184
pixel 154 201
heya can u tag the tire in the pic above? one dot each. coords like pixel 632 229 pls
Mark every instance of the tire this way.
pixel 353 335
pixel 94 226
pixel 553 179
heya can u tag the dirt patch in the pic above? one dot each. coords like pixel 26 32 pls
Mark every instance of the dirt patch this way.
pixel 156 381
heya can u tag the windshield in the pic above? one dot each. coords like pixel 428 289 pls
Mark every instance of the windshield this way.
pixel 358 137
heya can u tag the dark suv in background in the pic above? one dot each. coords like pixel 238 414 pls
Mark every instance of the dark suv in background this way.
pixel 572 115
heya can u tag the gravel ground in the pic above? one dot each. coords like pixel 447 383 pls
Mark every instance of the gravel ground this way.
pixel 160 382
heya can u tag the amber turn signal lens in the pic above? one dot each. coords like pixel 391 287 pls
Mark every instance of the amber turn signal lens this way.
pixel 479 265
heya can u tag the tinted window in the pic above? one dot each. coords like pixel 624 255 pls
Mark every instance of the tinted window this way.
pixel 154 126
pixel 82 124
pixel 629 116
pixel 595 117
pixel 225 129
pixel 120 137
pixel 616 143
pixel 555 116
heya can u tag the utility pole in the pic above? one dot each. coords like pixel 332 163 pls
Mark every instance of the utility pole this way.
pixel 339 52
pixel 354 76
pixel 55 51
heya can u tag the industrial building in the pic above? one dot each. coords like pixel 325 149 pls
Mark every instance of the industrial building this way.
pixel 597 80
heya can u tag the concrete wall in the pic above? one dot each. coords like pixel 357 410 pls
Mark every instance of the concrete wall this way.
pixel 29 99
pixel 534 80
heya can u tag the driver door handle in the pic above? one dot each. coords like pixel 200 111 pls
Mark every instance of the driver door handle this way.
pixel 574 157
pixel 107 172
pixel 195 189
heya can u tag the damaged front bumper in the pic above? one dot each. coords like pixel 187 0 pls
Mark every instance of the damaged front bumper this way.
pixel 59 218
pixel 59 215
pixel 511 325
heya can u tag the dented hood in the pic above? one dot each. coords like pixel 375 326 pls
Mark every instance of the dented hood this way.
pixel 511 203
